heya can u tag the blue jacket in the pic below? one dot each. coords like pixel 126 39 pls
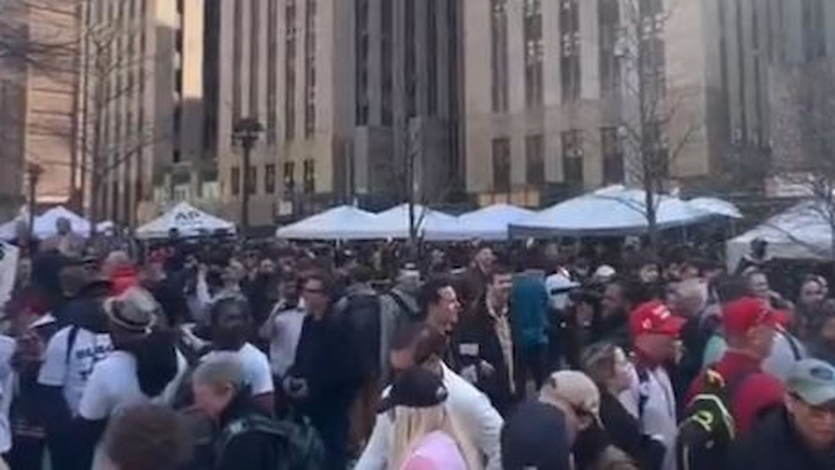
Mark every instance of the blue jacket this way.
pixel 529 310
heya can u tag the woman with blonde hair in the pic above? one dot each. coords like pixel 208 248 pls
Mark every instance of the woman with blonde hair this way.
pixel 426 435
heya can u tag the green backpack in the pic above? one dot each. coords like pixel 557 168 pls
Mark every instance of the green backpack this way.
pixel 300 445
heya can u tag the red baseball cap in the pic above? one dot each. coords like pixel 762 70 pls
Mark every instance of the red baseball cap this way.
pixel 739 316
pixel 655 318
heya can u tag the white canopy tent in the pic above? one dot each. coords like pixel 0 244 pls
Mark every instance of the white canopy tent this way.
pixel 487 223
pixel 188 220
pixel 394 223
pixel 8 230
pixel 800 232
pixel 338 223
pixel 611 211
pixel 45 223
pixel 716 206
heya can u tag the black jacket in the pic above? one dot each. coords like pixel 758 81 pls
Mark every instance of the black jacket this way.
pixel 475 341
pixel 250 450
pixel 329 361
pixel 625 432
pixel 775 445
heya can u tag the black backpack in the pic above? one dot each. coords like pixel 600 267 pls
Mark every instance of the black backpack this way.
pixel 708 428
pixel 300 445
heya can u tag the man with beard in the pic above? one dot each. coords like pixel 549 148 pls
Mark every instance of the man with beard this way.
pixel 484 343
pixel 619 298
pixel 231 325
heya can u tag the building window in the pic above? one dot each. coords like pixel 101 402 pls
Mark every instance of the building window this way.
pixel 309 176
pixel 362 48
pixel 535 159
pixel 386 68
pixel 254 56
pixel 410 58
pixel 237 61
pixel 652 53
pixel 290 72
pixel 431 57
pixel 498 55
pixel 269 179
pixel 211 71
pixel 310 68
pixel 272 71
pixel 612 155
pixel 235 180
pixel 533 52
pixel 289 176
pixel 570 73
pixel 252 180
pixel 814 29
pixel 572 156
pixel 501 165
pixel 610 46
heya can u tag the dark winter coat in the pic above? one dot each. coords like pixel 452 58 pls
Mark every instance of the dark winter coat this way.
pixel 477 333
pixel 775 445
pixel 249 450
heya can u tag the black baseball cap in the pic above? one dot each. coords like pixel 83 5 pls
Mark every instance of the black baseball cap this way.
pixel 415 388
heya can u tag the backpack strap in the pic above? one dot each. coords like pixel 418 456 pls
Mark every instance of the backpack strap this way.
pixel 71 337
pixel 643 392
pixel 247 424
pixel 401 303
pixel 792 344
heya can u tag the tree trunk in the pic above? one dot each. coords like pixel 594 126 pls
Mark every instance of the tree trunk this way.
pixel 652 219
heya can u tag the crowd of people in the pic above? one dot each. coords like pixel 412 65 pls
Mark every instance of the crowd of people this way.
pixel 216 354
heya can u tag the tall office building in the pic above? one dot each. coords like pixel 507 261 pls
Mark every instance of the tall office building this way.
pixel 140 119
pixel 547 87
pixel 280 62
pixel 347 92
pixel 38 81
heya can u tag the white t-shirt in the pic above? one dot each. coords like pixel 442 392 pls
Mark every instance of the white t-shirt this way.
pixel 256 367
pixel 72 374
pixel 114 385
pixel 8 379
pixel 659 414
pixel 557 284
pixel 284 334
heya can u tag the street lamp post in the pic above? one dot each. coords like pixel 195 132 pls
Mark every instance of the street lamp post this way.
pixel 33 171
pixel 246 132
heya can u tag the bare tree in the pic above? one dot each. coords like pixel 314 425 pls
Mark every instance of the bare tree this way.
pixel 804 136
pixel 35 32
pixel 655 128
pixel 112 133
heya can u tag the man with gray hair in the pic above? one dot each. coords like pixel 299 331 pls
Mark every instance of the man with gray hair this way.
pixel 246 439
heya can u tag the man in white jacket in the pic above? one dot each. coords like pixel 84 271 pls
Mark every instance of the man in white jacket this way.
pixel 422 345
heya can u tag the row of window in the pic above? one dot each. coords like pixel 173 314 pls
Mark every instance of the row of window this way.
pixel 288 178
pixel 290 73
pixel 573 153
pixel 651 54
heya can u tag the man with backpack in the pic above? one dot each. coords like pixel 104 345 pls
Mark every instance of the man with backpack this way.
pixel 726 400
pixel 247 437
pixel 650 397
